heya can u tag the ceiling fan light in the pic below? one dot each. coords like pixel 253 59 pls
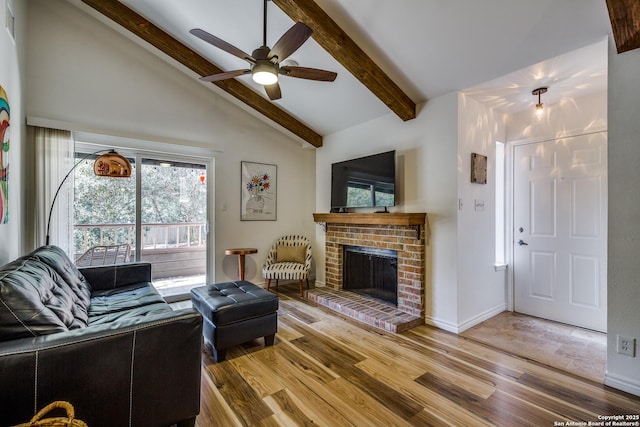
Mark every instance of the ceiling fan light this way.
pixel 265 78
pixel 264 74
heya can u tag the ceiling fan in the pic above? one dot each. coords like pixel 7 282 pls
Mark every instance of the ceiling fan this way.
pixel 265 63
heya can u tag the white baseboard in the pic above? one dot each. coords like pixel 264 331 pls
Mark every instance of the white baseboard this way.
pixel 482 317
pixel 624 384
pixel 461 327
pixel 442 324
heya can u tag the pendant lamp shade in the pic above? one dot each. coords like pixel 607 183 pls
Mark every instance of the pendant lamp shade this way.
pixel 113 165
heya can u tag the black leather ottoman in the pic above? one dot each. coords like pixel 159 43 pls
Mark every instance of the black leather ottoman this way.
pixel 234 313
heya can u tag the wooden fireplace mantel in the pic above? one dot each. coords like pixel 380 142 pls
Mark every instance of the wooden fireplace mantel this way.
pixel 391 218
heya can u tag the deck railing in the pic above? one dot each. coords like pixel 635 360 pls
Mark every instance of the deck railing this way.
pixel 154 235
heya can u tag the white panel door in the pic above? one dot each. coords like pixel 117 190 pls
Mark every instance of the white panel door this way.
pixel 560 236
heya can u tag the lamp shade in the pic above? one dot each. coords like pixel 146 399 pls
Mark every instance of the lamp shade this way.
pixel 113 165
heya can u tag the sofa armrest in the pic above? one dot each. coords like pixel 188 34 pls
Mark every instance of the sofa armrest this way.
pixel 137 372
pixel 114 276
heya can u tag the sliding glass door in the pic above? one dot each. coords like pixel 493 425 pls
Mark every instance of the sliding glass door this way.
pixel 173 223
pixel 159 215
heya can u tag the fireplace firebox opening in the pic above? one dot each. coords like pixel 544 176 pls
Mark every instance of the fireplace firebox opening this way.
pixel 372 272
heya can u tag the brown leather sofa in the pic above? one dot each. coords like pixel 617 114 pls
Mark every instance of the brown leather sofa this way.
pixel 100 338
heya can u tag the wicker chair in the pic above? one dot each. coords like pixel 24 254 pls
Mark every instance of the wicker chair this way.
pixel 105 255
pixel 289 259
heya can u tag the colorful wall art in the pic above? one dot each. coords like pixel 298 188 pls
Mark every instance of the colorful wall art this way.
pixel 4 156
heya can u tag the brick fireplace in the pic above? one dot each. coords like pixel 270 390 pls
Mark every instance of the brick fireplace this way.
pixel 399 232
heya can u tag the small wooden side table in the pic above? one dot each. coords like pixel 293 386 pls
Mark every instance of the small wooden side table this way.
pixel 241 252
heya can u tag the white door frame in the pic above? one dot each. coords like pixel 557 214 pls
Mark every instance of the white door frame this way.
pixel 509 203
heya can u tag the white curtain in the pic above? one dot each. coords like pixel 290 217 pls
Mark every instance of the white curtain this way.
pixel 54 159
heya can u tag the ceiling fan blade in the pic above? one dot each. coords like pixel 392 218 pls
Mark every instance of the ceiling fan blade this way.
pixel 273 91
pixel 224 76
pixel 221 44
pixel 309 73
pixel 290 41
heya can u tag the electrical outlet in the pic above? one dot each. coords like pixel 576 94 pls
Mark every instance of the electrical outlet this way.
pixel 627 346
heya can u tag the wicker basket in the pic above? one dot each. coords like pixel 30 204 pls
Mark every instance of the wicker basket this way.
pixel 68 421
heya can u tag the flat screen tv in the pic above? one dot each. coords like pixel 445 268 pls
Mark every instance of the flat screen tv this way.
pixel 364 182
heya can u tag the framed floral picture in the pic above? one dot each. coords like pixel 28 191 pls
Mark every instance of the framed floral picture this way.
pixel 258 192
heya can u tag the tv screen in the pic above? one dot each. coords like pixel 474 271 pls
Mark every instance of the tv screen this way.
pixel 364 182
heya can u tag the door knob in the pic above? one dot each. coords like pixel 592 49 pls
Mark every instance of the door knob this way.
pixel 522 243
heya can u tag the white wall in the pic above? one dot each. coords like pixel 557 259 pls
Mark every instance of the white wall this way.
pixel 624 210
pixel 81 71
pixel 481 289
pixel 11 72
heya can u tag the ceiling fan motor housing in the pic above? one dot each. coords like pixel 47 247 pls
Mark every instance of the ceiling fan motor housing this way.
pixel 263 64
pixel 261 53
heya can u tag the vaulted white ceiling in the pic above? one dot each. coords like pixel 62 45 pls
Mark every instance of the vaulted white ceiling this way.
pixel 497 51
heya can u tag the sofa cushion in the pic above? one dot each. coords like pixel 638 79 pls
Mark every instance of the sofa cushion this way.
pixel 139 313
pixel 57 259
pixel 133 300
pixel 35 300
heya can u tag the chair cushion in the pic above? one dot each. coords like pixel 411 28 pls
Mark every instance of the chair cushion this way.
pixel 229 302
pixel 285 271
pixel 291 253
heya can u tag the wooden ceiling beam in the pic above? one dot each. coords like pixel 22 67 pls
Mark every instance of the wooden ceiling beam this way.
pixel 625 22
pixel 143 28
pixel 335 41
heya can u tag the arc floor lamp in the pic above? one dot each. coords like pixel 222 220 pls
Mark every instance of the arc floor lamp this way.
pixel 110 164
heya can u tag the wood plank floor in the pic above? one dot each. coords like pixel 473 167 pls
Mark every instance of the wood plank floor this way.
pixel 328 370
pixel 576 350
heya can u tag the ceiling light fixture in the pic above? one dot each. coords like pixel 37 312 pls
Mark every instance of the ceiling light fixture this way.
pixel 264 73
pixel 539 107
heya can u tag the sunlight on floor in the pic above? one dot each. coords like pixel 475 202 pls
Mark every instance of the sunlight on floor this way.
pixel 178 285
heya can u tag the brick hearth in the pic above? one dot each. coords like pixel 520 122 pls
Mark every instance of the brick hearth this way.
pixel 385 231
